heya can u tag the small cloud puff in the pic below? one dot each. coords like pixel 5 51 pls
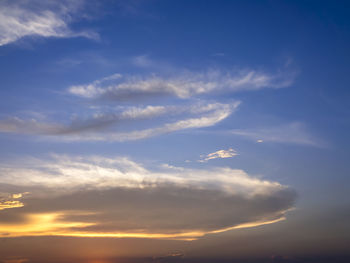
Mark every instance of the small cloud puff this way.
pixel 219 155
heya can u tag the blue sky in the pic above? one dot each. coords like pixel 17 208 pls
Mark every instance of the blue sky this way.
pixel 242 102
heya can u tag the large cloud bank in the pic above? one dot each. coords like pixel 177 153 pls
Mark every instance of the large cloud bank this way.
pixel 116 197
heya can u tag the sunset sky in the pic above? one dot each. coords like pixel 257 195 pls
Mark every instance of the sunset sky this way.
pixel 174 131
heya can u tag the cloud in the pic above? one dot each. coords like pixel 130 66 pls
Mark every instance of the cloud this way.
pixel 101 120
pixel 27 126
pixel 126 122
pixel 172 257
pixel 295 133
pixel 104 126
pixel 38 125
pixel 38 18
pixel 123 123
pixel 10 204
pixel 183 85
pixel 117 197
pixel 142 61
pixel 8 201
pixel 69 172
pixel 218 154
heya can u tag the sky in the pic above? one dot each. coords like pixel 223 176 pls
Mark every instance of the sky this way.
pixel 174 131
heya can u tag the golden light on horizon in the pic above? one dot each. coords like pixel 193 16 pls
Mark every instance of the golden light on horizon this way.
pixel 39 225
pixel 51 224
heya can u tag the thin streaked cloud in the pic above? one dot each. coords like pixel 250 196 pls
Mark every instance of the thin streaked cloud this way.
pixel 290 133
pixel 100 126
pixel 185 85
pixel 18 19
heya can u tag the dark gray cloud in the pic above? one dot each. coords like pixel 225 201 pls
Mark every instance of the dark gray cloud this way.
pixel 161 209
pixel 120 198
pixel 169 210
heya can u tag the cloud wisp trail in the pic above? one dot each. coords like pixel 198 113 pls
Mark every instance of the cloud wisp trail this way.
pixel 20 19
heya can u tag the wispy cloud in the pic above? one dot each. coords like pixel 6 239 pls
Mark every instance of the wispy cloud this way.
pixel 39 18
pixel 185 85
pixel 117 197
pixel 142 61
pixel 218 155
pixel 115 125
pixel 104 126
pixel 294 133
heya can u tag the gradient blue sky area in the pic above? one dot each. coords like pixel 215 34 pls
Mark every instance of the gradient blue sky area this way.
pixel 260 87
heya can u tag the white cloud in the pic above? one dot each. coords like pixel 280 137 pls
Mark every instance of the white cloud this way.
pixel 101 126
pixel 216 113
pixel 34 18
pixel 219 154
pixel 182 86
pixel 95 172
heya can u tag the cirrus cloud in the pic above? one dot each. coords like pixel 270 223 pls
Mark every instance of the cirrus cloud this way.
pixel 39 18
pixel 185 85
pixel 290 133
pixel 103 126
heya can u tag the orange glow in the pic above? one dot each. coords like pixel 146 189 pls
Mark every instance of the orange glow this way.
pixel 248 225
pixel 10 204
pixel 22 260
pixel 188 236
pixel 39 225
pixel 49 224
pixel 16 196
